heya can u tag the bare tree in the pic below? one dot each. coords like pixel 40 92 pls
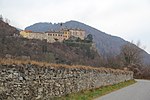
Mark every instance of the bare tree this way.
pixel 7 20
pixel 131 54
pixel 1 17
pixel 131 58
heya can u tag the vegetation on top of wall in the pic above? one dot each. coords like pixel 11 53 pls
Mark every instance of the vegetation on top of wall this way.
pixel 45 64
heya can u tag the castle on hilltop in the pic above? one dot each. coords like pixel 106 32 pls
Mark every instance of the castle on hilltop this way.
pixel 54 36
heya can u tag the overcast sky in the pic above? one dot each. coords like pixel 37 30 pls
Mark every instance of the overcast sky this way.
pixel 129 19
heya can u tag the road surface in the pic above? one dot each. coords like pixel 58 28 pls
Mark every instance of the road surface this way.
pixel 137 91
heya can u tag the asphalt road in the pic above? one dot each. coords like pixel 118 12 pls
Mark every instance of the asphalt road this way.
pixel 137 91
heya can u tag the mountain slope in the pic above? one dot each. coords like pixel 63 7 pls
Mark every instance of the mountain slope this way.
pixel 7 30
pixel 107 45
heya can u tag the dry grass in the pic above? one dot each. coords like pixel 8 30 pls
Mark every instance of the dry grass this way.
pixel 45 64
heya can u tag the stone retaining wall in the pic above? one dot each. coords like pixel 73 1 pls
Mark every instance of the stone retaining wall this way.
pixel 32 81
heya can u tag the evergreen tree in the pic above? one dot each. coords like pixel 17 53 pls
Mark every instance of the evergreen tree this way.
pixel 89 38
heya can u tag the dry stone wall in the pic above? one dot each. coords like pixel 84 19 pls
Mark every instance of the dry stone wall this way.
pixel 32 81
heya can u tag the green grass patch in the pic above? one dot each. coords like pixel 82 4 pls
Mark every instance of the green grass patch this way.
pixel 91 94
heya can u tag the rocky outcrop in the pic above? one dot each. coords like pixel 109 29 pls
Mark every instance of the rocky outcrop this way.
pixel 30 81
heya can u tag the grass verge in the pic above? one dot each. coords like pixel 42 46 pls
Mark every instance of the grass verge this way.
pixel 91 94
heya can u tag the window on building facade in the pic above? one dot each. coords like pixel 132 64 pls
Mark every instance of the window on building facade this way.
pixel 50 34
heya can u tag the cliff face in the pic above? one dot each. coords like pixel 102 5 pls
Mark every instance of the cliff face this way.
pixel 34 80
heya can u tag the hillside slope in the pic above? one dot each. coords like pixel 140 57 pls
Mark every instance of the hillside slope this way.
pixel 15 47
pixel 106 44
pixel 7 30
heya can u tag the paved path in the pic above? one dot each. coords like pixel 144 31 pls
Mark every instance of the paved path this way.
pixel 137 91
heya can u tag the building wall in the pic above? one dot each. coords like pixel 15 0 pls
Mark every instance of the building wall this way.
pixel 54 36
pixel 40 36
pixel 77 33
pixel 66 34
pixel 24 34
pixel 33 35
pixel 33 81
